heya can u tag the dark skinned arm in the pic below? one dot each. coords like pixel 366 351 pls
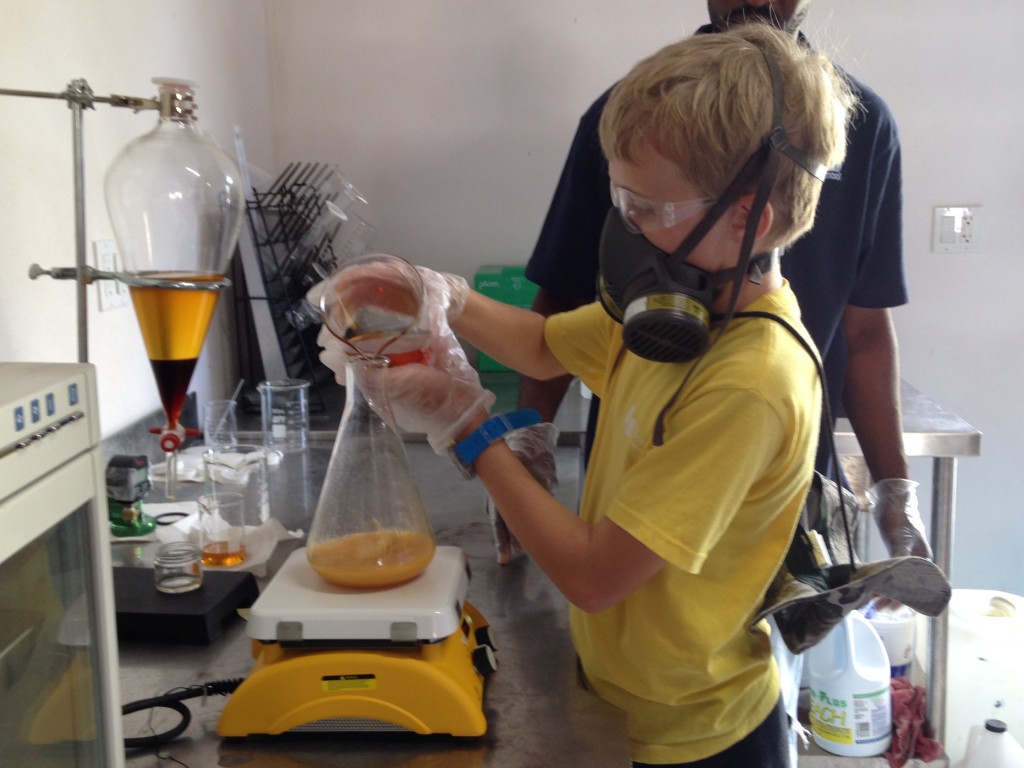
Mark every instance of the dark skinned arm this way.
pixel 871 398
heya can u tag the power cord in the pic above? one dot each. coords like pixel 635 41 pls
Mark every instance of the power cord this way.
pixel 173 701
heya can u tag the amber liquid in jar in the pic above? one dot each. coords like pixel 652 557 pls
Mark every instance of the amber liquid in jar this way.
pixel 373 558
pixel 223 553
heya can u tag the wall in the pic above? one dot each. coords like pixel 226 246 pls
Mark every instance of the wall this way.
pixel 117 47
pixel 453 117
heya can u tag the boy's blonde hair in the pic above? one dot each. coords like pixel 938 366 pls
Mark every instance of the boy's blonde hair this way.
pixel 705 103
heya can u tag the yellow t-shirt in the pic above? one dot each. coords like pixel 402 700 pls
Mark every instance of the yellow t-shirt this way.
pixel 718 500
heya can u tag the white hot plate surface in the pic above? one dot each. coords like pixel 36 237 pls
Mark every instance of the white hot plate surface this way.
pixel 298 605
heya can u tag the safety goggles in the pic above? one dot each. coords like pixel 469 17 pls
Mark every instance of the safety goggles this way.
pixel 642 215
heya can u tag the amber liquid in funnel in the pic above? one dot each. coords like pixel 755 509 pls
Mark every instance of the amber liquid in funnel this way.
pixel 174 322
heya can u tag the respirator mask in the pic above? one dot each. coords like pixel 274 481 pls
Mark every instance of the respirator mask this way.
pixel 663 302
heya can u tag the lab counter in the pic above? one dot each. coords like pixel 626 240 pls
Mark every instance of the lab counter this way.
pixel 536 712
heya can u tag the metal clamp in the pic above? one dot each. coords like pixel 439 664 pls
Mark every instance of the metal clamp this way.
pixel 91 274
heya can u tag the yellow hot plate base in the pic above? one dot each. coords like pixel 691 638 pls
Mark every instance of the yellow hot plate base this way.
pixel 429 688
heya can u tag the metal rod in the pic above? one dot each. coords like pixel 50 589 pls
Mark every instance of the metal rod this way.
pixel 89 275
pixel 84 96
pixel 81 298
pixel 79 96
pixel 33 94
pixel 943 511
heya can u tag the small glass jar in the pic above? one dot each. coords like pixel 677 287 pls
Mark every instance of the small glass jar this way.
pixel 177 567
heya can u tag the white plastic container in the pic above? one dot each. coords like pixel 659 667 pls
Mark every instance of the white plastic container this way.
pixel 985 673
pixel 895 626
pixel 992 747
pixel 850 701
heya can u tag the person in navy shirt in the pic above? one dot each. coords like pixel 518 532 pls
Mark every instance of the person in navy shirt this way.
pixel 847 272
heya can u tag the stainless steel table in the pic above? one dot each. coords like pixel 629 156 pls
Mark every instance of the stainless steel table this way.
pixel 929 430
pixel 537 714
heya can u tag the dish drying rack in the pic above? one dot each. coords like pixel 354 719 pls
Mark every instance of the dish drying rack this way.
pixel 301 227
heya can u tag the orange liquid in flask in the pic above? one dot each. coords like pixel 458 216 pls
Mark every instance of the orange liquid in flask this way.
pixel 373 559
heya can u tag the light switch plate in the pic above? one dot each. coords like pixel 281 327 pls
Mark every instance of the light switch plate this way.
pixel 112 293
pixel 955 229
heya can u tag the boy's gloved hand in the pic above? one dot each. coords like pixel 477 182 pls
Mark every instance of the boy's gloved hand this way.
pixel 359 284
pixel 893 503
pixel 535 448
pixel 438 398
pixel 333 353
pixel 445 395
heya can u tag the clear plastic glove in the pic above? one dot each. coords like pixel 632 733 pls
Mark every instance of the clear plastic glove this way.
pixel 438 398
pixel 374 303
pixel 333 353
pixel 893 503
pixel 443 396
pixel 535 448
pixel 445 290
pixel 372 294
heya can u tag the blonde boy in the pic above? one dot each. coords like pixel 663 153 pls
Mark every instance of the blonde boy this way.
pixel 699 466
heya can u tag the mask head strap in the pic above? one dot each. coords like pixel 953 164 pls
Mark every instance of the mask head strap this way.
pixel 777 138
pixel 766 162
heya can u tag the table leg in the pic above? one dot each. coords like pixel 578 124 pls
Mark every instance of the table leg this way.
pixel 943 514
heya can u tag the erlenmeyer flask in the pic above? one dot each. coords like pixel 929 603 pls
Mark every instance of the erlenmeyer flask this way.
pixel 370 528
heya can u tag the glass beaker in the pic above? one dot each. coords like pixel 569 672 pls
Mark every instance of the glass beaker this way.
pixel 240 469
pixel 284 411
pixel 370 528
pixel 222 528
pixel 373 304
pixel 220 423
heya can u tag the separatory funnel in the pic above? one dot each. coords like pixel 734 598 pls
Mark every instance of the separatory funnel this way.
pixel 176 203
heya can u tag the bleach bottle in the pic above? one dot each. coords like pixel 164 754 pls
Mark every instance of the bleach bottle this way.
pixel 851 706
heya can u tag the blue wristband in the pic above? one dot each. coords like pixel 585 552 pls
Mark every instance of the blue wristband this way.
pixel 467 450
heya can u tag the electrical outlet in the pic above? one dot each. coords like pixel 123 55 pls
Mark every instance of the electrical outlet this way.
pixel 955 229
pixel 112 293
